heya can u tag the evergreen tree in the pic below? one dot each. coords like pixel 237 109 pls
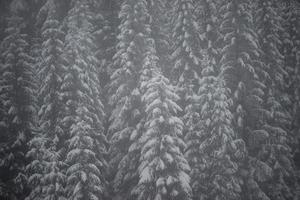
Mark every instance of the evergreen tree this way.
pixel 243 73
pixel 4 8
pixel 17 96
pixel 36 168
pixel 213 148
pixel 47 176
pixel 160 32
pixel 275 152
pixel 185 53
pixel 149 82
pixel 4 189
pixel 208 18
pixel 163 169
pixel 127 117
pixel 186 57
pixel 290 50
pixel 83 114
pixel 105 35
pixel 105 32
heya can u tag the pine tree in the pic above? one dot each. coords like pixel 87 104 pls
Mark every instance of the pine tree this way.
pixel 127 117
pixel 160 26
pixel 186 57
pixel 208 18
pixel 4 189
pixel 83 115
pixel 184 73
pixel 105 35
pixel 4 8
pixel 47 177
pixel 36 168
pixel 163 169
pixel 17 95
pixel 290 50
pixel 105 32
pixel 213 148
pixel 243 74
pixel 3 122
pixel 275 152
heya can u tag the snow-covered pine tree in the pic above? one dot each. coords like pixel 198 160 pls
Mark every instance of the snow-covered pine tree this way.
pixel 47 178
pixel 4 5
pixel 178 185
pixel 207 19
pixel 4 190
pixel 295 38
pixel 17 94
pixel 275 151
pixel 163 169
pixel 213 148
pixel 160 32
pixel 290 50
pixel 127 117
pixel 105 40
pixel 243 74
pixel 105 35
pixel 83 114
pixel 3 123
pixel 186 57
pixel 288 39
pixel 36 168
pixel 207 16
pixel 106 12
pixel 186 50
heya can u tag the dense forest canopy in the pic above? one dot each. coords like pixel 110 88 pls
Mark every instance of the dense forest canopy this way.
pixel 150 99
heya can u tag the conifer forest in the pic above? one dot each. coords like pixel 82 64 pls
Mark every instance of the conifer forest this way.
pixel 149 99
